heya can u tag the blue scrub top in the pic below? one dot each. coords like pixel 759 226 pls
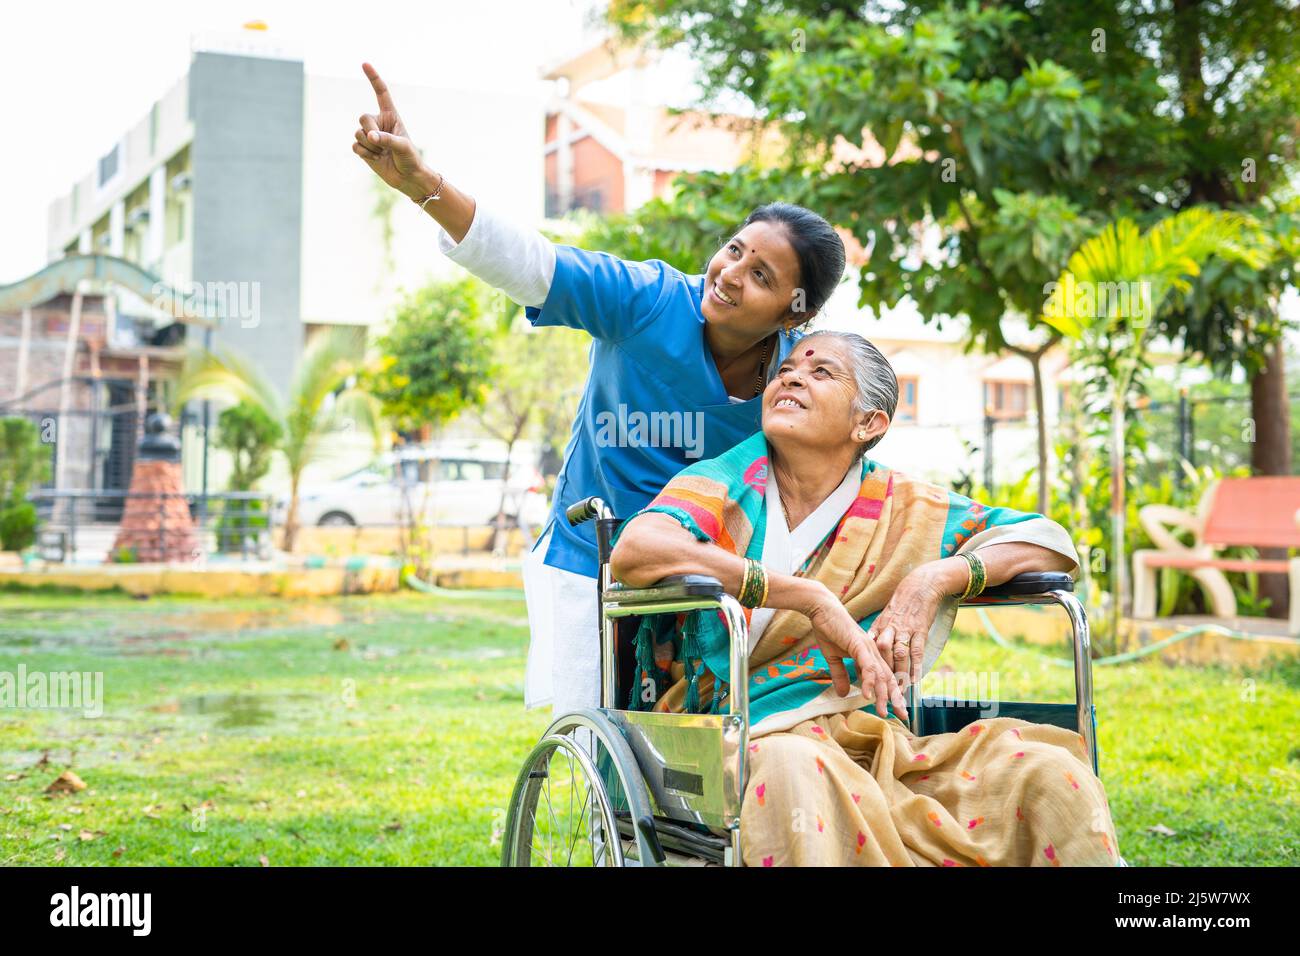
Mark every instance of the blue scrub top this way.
pixel 654 401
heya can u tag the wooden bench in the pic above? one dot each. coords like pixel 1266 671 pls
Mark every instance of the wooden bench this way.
pixel 1242 512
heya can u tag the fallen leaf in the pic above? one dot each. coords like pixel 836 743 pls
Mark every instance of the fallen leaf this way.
pixel 1161 830
pixel 88 835
pixel 65 826
pixel 119 851
pixel 342 644
pixel 45 759
pixel 14 776
pixel 59 854
pixel 66 782
pixel 263 860
pixel 393 827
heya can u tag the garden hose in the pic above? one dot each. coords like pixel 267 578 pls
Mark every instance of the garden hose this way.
pixel 1115 658
pixel 424 587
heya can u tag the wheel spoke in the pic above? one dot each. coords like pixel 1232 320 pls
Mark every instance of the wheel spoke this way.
pixel 581 830
pixel 581 819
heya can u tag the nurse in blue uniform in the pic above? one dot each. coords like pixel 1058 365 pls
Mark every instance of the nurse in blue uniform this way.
pixel 678 366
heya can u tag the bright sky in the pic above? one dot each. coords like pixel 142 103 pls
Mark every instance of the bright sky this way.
pixel 75 76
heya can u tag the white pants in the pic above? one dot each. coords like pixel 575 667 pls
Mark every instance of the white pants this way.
pixel 563 667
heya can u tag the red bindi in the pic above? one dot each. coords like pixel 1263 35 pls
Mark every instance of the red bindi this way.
pixel 809 352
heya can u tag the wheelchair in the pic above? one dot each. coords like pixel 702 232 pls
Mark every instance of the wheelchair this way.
pixel 615 787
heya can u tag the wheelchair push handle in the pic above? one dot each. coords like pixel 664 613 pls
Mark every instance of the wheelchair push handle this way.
pixel 586 509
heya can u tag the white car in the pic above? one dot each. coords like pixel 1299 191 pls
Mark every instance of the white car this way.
pixel 467 492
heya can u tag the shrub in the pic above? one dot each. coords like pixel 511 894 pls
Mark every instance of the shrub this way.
pixel 17 526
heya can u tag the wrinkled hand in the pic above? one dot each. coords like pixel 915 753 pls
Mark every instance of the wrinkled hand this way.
pixel 900 631
pixel 841 637
pixel 382 140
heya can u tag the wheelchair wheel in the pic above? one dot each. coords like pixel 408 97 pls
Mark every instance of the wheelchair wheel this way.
pixel 575 789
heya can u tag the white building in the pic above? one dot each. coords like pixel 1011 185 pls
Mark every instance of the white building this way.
pixel 243 173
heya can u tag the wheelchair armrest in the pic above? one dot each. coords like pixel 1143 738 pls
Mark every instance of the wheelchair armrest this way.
pixel 1027 585
pixel 672 588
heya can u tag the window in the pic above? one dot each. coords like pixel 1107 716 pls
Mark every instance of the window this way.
pixel 906 411
pixel 1006 399
pixel 108 165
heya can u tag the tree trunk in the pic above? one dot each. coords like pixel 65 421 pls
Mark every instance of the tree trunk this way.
pixel 1119 559
pixel 1270 454
pixel 1036 362
pixel 291 516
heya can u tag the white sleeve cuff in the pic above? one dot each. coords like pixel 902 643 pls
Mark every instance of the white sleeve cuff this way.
pixel 520 262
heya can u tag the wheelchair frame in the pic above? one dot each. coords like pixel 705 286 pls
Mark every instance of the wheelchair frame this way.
pixel 682 777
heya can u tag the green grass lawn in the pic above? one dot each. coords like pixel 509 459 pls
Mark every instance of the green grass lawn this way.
pixel 388 730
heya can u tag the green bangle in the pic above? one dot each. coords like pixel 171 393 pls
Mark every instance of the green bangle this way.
pixel 753 586
pixel 978 575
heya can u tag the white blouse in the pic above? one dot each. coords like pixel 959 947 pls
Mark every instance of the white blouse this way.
pixel 784 549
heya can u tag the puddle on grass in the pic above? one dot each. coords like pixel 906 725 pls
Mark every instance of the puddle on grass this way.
pixel 129 632
pixel 233 711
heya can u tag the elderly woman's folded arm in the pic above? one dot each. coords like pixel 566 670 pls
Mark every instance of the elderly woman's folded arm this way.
pixel 1002 562
pixel 655 546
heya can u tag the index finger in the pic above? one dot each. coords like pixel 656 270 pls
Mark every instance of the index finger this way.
pixel 381 88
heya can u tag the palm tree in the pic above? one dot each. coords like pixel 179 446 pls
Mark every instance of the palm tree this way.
pixel 321 400
pixel 1141 270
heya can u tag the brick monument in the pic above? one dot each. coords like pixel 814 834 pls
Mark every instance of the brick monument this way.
pixel 156 523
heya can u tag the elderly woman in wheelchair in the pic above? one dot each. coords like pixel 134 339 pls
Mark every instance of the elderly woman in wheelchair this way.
pixel 843 578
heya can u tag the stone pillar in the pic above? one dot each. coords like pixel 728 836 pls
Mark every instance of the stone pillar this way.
pixel 117 229
pixel 156 524
pixel 154 235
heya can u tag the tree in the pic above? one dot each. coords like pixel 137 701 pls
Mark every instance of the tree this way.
pixel 1148 268
pixel 250 435
pixel 536 376
pixel 24 462
pixel 1012 137
pixel 322 399
pixel 433 362
pixel 433 357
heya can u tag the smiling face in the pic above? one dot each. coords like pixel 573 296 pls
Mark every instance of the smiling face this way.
pixel 751 281
pixel 810 401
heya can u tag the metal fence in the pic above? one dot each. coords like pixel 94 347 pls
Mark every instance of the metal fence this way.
pixel 86 524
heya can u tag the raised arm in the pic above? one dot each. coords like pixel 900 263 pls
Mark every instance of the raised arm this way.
pixel 606 296
pixel 385 145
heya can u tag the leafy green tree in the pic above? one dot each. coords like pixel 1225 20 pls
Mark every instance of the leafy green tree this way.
pixel 433 362
pixel 322 400
pixel 434 355
pixel 1007 133
pixel 536 378
pixel 1150 267
pixel 251 436
pixel 24 462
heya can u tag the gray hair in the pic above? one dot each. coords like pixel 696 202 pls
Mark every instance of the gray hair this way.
pixel 877 384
